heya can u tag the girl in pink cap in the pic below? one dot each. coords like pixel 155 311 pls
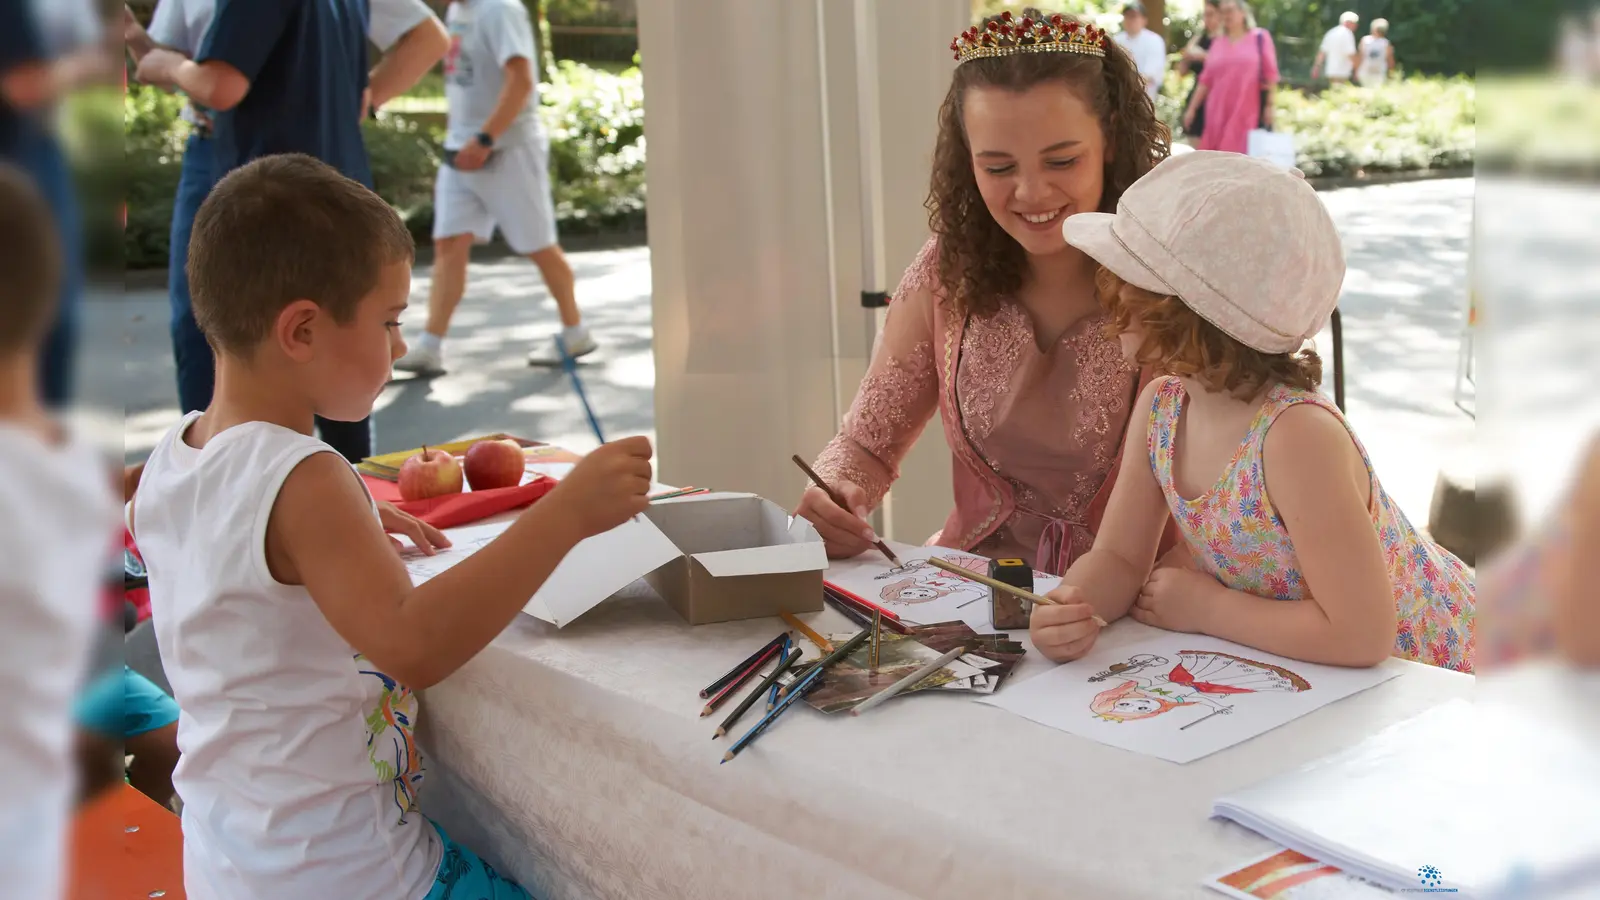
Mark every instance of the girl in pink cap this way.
pixel 1217 270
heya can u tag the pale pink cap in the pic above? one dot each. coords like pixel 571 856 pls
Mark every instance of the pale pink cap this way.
pixel 1247 245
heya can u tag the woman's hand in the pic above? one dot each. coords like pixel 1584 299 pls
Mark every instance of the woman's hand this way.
pixel 427 538
pixel 1067 630
pixel 845 532
pixel 1188 118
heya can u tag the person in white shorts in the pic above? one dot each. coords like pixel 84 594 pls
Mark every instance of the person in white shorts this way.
pixel 1377 55
pixel 1337 56
pixel 496 174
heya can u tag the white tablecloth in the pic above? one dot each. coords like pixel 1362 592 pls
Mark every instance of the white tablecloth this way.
pixel 576 761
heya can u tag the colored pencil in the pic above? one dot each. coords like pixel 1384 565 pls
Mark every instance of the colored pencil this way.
pixel 733 673
pixel 877 630
pixel 908 681
pixel 863 602
pixel 733 686
pixel 864 609
pixel 823 644
pixel 770 682
pixel 1012 589
pixel 839 502
pixel 800 687
pixel 850 612
pixel 681 492
pixel 772 692
pixel 841 652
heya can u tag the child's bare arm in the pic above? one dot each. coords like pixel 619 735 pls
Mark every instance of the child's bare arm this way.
pixel 1107 578
pixel 1320 488
pixel 1577 606
pixel 322 534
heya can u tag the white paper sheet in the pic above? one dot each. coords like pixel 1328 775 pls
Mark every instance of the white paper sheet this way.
pixel 921 594
pixel 1181 696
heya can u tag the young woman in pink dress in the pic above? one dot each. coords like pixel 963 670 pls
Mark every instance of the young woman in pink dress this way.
pixel 1241 65
pixel 995 326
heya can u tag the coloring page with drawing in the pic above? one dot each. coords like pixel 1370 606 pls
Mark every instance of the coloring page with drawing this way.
pixel 1181 696
pixel 921 594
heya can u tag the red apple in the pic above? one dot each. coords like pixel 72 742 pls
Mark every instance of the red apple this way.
pixel 431 473
pixel 494 464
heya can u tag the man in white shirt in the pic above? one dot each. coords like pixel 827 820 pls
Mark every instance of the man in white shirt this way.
pixel 1148 49
pixel 1337 55
pixel 495 176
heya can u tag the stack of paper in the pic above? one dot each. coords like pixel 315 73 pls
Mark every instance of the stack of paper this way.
pixel 1483 798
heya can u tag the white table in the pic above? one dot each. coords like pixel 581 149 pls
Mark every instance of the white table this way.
pixel 575 761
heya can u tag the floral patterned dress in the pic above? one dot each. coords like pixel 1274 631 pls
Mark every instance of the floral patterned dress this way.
pixel 1234 533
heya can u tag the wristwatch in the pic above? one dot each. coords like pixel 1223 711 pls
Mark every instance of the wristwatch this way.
pixel 485 140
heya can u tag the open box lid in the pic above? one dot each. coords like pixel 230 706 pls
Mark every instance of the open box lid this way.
pixel 733 534
pixel 599 567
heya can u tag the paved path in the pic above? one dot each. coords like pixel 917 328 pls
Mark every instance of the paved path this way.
pixel 1404 308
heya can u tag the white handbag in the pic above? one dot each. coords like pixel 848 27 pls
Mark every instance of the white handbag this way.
pixel 1276 147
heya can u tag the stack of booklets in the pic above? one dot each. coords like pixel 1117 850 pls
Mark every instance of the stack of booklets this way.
pixel 1482 799
pixel 849 682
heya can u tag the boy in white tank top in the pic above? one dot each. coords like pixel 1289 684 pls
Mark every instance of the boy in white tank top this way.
pixel 57 524
pixel 288 625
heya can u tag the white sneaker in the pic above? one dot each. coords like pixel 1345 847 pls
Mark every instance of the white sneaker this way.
pixel 577 349
pixel 420 361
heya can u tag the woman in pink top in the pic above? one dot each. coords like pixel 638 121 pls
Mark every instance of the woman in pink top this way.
pixel 995 326
pixel 1241 64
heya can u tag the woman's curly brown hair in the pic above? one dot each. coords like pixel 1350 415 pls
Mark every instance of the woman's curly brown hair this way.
pixel 979 263
pixel 1177 341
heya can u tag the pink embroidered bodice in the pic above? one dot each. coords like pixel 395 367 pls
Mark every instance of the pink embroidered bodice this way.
pixel 1033 434
pixel 1235 534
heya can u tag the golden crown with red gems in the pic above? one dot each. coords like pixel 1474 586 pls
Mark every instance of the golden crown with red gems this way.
pixel 1004 37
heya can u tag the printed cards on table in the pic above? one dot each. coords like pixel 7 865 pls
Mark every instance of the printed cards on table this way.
pixel 1181 696
pixel 1287 875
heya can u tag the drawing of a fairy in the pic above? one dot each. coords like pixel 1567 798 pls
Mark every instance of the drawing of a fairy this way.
pixel 919 582
pixel 1199 678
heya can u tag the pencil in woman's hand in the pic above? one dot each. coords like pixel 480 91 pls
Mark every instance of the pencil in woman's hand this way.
pixel 839 502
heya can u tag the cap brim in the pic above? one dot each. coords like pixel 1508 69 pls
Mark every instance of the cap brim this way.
pixel 1091 233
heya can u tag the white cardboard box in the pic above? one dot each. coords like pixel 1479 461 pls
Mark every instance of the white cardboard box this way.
pixel 711 557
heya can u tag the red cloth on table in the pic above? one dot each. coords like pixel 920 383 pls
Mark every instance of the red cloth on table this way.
pixel 459 509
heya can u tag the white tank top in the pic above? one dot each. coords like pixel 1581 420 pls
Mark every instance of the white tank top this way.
pixel 60 529
pixel 299 772
pixel 1374 59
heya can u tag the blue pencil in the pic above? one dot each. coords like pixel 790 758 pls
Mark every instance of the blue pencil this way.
pixel 795 692
pixel 571 367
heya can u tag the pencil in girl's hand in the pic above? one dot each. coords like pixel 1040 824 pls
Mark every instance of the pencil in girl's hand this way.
pixel 998 585
pixel 771 681
pixel 839 502
pixel 733 673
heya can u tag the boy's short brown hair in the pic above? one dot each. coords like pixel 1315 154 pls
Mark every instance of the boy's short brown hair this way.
pixel 1177 341
pixel 286 228
pixel 30 262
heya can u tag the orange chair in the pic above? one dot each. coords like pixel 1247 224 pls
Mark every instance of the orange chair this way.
pixel 125 846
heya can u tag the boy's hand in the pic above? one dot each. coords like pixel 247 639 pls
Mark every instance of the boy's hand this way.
pixel 427 538
pixel 608 487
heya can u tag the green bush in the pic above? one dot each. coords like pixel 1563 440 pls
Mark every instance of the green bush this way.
pixel 1415 124
pixel 595 120
pixel 1410 125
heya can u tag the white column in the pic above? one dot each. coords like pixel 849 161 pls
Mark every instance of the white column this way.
pixel 767 123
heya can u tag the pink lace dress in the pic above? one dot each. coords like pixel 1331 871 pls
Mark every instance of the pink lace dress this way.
pixel 1035 435
pixel 1236 535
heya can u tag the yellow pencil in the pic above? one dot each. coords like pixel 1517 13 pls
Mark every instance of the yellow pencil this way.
pixel 1030 596
pixel 823 644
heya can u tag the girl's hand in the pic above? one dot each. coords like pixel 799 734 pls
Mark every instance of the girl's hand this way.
pixel 1175 599
pixel 1067 630
pixel 427 538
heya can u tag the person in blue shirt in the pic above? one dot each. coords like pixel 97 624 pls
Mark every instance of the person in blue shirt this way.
pixel 282 77
pixel 411 39
pixel 47 49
